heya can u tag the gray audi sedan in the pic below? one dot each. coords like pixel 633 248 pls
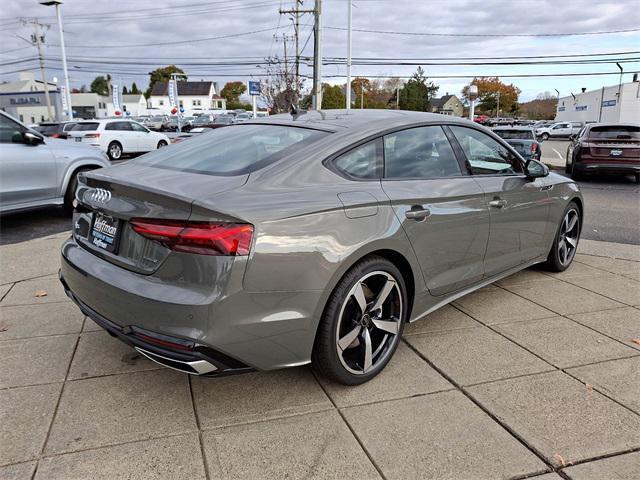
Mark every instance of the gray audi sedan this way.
pixel 308 238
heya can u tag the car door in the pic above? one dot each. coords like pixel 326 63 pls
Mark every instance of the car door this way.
pixel 28 173
pixel 519 207
pixel 442 210
pixel 146 140
pixel 130 138
pixel 561 130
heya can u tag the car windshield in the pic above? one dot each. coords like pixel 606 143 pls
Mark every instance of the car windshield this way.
pixel 235 150
pixel 622 132
pixel 515 134
pixel 84 126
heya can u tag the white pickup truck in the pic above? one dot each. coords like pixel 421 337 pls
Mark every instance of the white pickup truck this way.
pixel 560 129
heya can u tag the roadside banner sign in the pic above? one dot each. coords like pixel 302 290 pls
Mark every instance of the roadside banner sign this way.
pixel 63 95
pixel 173 94
pixel 609 103
pixel 254 87
pixel 115 89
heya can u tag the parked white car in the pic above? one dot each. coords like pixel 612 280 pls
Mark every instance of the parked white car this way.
pixel 560 129
pixel 116 137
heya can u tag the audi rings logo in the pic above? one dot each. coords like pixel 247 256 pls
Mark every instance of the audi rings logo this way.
pixel 101 195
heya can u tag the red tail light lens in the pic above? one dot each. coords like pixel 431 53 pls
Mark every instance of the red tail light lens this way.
pixel 92 135
pixel 55 135
pixel 534 147
pixel 225 239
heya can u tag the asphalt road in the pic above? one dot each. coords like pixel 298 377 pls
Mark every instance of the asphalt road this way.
pixel 612 206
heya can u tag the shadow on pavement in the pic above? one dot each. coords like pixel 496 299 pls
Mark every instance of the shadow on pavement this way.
pixel 19 227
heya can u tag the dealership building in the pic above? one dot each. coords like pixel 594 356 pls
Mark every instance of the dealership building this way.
pixel 25 99
pixel 613 104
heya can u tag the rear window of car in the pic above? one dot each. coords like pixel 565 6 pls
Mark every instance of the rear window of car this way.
pixel 515 134
pixel 47 129
pixel 82 127
pixel 234 150
pixel 622 132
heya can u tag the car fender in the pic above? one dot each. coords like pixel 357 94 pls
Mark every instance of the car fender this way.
pixel 72 167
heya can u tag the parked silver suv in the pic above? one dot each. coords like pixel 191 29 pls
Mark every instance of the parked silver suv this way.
pixel 36 171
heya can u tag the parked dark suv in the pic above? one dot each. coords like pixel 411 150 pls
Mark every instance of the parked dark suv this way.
pixel 605 147
pixel 55 129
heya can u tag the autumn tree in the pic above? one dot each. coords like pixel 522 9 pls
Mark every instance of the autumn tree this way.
pixel 489 90
pixel 417 93
pixel 164 74
pixel 280 89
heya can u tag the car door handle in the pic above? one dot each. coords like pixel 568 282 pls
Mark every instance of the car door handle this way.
pixel 417 213
pixel 498 203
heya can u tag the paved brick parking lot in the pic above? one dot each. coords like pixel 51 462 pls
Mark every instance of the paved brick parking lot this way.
pixel 537 375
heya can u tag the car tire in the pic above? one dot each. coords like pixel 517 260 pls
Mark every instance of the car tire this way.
pixel 565 243
pixel 637 177
pixel 545 136
pixel 352 346
pixel 114 151
pixel 575 172
pixel 69 195
pixel 161 144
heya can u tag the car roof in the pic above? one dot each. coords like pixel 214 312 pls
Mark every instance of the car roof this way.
pixel 360 119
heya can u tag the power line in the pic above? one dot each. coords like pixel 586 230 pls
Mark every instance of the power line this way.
pixel 430 34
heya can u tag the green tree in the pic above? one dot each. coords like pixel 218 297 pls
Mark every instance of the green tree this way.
pixel 100 85
pixel 231 93
pixel 125 90
pixel 134 89
pixel 163 74
pixel 332 97
pixel 417 93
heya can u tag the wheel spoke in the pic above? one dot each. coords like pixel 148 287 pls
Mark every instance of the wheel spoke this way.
pixel 565 224
pixel 358 294
pixel 368 355
pixel 563 252
pixel 387 325
pixel 349 338
pixel 571 241
pixel 384 293
pixel 571 222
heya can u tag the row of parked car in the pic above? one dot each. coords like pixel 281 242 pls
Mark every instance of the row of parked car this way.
pixel 204 119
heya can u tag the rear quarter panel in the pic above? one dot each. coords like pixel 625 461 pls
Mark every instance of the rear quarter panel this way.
pixel 564 191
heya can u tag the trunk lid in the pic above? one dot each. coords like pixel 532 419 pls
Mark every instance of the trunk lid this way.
pixel 615 149
pixel 111 197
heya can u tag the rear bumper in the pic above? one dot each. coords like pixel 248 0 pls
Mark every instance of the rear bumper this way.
pixel 605 167
pixel 231 328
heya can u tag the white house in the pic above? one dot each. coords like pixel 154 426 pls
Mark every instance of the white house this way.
pixel 93 105
pixel 135 104
pixel 616 103
pixel 192 96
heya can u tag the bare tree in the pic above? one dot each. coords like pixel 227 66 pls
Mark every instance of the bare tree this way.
pixel 280 89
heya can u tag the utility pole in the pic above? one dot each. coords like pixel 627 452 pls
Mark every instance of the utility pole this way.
pixel 283 38
pixel 398 96
pixel 317 56
pixel 296 24
pixel 37 39
pixel 348 92
pixel 498 105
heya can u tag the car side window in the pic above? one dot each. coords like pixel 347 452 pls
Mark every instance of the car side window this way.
pixel 125 126
pixel 422 152
pixel 361 162
pixel 10 131
pixel 137 127
pixel 485 155
pixel 112 126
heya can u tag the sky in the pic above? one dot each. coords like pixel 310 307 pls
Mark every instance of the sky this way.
pixel 224 40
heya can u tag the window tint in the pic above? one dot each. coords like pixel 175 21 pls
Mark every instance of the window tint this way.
pixel 615 132
pixel 485 155
pixel 85 126
pixel 233 150
pixel 10 131
pixel 137 127
pixel 422 152
pixel 361 162
pixel 515 134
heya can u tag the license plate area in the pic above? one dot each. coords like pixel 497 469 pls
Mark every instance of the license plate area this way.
pixel 105 232
pixel 615 152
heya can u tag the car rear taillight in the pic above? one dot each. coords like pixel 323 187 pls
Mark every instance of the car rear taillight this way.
pixel 534 147
pixel 92 135
pixel 55 135
pixel 224 239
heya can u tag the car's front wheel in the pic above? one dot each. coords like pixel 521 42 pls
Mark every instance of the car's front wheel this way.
pixel 162 143
pixel 545 136
pixel 362 322
pixel 565 244
pixel 114 151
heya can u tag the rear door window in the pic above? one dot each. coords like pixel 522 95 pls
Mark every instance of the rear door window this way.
pixel 423 152
pixel 233 150
pixel 615 132
pixel 361 162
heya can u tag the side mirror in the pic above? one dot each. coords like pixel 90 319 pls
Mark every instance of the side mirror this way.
pixel 534 169
pixel 32 138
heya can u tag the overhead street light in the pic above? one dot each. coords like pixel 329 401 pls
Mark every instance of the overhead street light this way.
pixel 67 93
